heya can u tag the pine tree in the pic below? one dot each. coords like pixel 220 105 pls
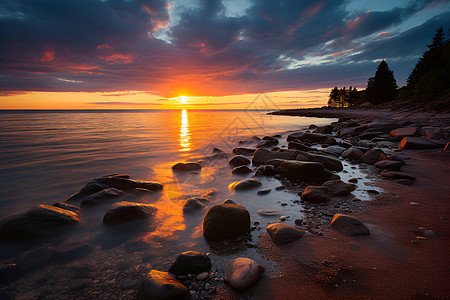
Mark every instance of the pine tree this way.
pixel 333 99
pixel 382 87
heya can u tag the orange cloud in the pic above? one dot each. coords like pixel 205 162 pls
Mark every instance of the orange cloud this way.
pixel 104 46
pixel 117 58
pixel 48 55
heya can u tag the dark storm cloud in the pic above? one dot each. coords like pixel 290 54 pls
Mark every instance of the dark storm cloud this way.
pixel 93 45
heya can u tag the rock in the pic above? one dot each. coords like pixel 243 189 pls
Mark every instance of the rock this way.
pixel 71 250
pixel 266 170
pixel 124 211
pixel 261 156
pixel 401 133
pixel 281 233
pixel 244 185
pixel 327 129
pixel 334 150
pixel 418 143
pixel 239 160
pixel 280 188
pixel 202 276
pixel 352 154
pixel 190 262
pixel 396 175
pixel 269 212
pixel 241 170
pixel 339 188
pixel 353 180
pixel 267 143
pixel 229 201
pixel 372 156
pixel 276 162
pixel 67 206
pixel 123 184
pixel 305 171
pixel 8 272
pixel 39 221
pixel 349 225
pixel 185 167
pixel 192 205
pixel 217 151
pixel 370 135
pixel 404 181
pixel 160 285
pixel 242 272
pixel 79 284
pixel 35 257
pixel 151 186
pixel 223 221
pixel 264 191
pixel 303 136
pixel 330 163
pixel 102 196
pixel 392 165
pixel 90 188
pixel 329 142
pixel 243 151
pixel 299 146
pixel 315 194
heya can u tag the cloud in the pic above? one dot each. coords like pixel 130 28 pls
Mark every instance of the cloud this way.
pixel 123 103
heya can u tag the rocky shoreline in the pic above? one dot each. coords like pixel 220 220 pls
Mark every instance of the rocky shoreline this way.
pixel 310 165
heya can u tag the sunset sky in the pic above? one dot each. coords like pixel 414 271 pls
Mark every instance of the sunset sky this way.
pixel 125 54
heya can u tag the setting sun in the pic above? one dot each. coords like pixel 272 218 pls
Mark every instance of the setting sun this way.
pixel 183 99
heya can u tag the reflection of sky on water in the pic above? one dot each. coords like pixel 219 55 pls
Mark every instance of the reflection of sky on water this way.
pixel 185 135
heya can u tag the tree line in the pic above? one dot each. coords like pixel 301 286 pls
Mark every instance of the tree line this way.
pixel 429 80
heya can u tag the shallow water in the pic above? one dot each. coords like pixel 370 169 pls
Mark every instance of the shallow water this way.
pixel 47 156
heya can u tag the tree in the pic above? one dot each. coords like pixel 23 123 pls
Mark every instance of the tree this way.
pixel 333 99
pixel 382 87
pixel 342 97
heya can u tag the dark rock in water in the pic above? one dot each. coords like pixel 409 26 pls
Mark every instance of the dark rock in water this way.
pixel 305 171
pixel 186 167
pixel 329 142
pixel 396 175
pixel 123 211
pixel 229 201
pixel 316 194
pixel 117 182
pixel 401 133
pixel 303 136
pixel 243 151
pixel 339 188
pixel 118 175
pixel 276 162
pixel 241 170
pixel 392 165
pixel 404 181
pixel 102 196
pixel 270 138
pixel 334 150
pixel 280 188
pixel 353 180
pixel 266 170
pixel 8 272
pixel 67 206
pixel 352 154
pixel 372 156
pixel 242 272
pixel 71 250
pixel 281 233
pixel 330 163
pixel 244 185
pixel 327 129
pixel 299 146
pixel 267 143
pixel 370 135
pixel 217 151
pixel 261 156
pixel 160 285
pixel 345 144
pixel 90 188
pixel 192 204
pixel 35 257
pixel 264 192
pixel 190 262
pixel 419 143
pixel 269 212
pixel 223 221
pixel 39 221
pixel 151 186
pixel 349 225
pixel 239 160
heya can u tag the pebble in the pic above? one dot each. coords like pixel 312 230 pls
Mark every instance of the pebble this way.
pixel 202 276
pixel 413 203
pixel 283 218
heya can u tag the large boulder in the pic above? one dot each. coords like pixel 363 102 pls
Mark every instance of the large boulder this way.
pixel 276 162
pixel 372 156
pixel 242 272
pixel 307 136
pixel 305 171
pixel 349 225
pixel 267 143
pixel 243 151
pixel 67 206
pixel 223 221
pixel 102 196
pixel 299 146
pixel 244 185
pixel 315 194
pixel 241 170
pixel 396 175
pixel 187 167
pixel 392 165
pixel 239 160
pixel 327 129
pixel 266 170
pixel 330 163
pixel 190 262
pixel 123 211
pixel 339 188
pixel 418 143
pixel 352 154
pixel 281 233
pixel 160 285
pixel 401 133
pixel 261 156
pixel 38 221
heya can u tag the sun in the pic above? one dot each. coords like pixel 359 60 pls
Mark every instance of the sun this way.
pixel 183 99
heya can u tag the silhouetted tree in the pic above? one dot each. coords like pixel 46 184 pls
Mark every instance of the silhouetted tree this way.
pixel 430 78
pixel 333 98
pixel 342 97
pixel 382 87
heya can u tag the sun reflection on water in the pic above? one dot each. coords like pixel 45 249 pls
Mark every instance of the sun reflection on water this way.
pixel 185 135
